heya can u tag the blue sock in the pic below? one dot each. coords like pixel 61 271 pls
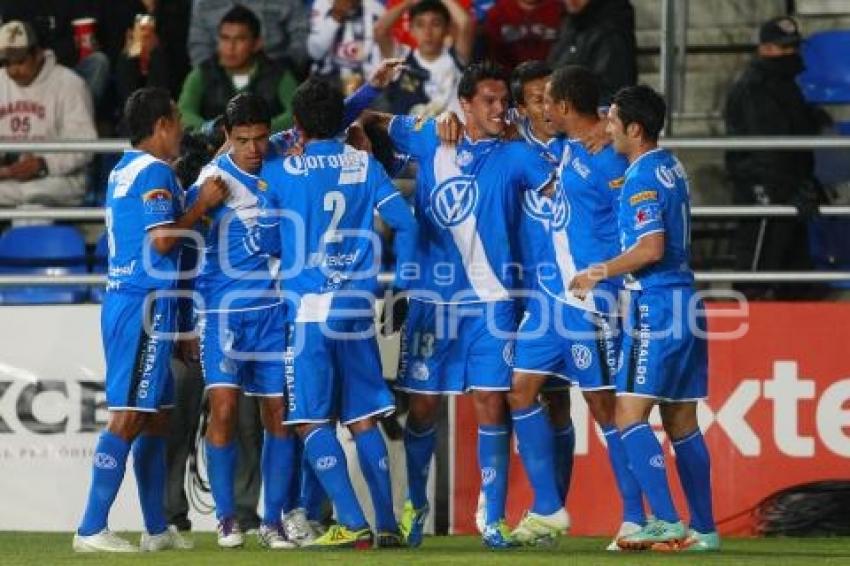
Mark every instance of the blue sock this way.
pixel 328 461
pixel 694 465
pixel 419 448
pixel 565 447
pixel 627 484
pixel 221 468
pixel 313 495
pixel 375 465
pixel 278 475
pixel 493 458
pixel 535 440
pixel 110 460
pixel 646 461
pixel 150 470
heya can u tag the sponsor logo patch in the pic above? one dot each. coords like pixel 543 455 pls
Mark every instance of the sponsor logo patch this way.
pixel 642 196
pixel 157 201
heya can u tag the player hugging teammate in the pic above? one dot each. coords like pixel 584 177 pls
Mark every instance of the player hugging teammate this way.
pixel 526 263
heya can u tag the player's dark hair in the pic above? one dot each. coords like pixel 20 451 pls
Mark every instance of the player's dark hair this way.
pixel 142 110
pixel 643 106
pixel 524 74
pixel 477 72
pixel 239 14
pixel 246 108
pixel 318 107
pixel 577 85
pixel 435 6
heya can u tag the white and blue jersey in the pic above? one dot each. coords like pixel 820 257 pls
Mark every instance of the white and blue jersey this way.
pixel 665 348
pixel 319 216
pixel 240 313
pixel 656 199
pixel 137 321
pixel 458 335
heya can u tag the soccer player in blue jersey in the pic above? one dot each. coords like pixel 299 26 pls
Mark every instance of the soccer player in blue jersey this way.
pixel 458 337
pixel 144 220
pixel 324 200
pixel 579 342
pixel 665 347
pixel 240 322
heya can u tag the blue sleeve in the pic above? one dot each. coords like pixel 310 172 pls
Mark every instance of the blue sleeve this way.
pixel 158 190
pixel 534 171
pixel 641 208
pixel 395 211
pixel 359 101
pixel 413 135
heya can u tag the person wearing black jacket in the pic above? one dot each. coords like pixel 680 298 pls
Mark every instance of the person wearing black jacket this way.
pixel 766 101
pixel 599 35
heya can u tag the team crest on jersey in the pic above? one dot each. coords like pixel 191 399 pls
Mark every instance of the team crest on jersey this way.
pixel 582 356
pixel 262 185
pixel 157 201
pixel 454 200
pixel 464 158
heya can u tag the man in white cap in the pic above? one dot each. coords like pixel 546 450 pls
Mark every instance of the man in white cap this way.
pixel 40 100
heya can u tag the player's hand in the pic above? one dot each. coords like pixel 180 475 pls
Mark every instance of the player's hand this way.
pixel 394 314
pixel 386 72
pixel 213 192
pixel 356 137
pixel 596 138
pixel 449 128
pixel 189 351
pixel 584 282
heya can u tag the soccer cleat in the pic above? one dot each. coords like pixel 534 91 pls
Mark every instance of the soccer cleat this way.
pixel 700 542
pixel 481 513
pixel 389 539
pixel 413 523
pixel 104 541
pixel 298 529
pixel 627 528
pixel 660 533
pixel 340 536
pixel 497 536
pixel 541 530
pixel 229 533
pixel 274 537
pixel 169 538
pixel 318 527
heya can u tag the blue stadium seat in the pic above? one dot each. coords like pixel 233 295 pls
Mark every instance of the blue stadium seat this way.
pixel 42 250
pixel 99 265
pixel 826 79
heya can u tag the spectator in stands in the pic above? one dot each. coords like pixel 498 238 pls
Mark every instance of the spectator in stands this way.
pixel 40 100
pixel 342 40
pixel 428 83
pixel 52 22
pixel 240 66
pixel 599 35
pixel 766 101
pixel 284 28
pixel 522 30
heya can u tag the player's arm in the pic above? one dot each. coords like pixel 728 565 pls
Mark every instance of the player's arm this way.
pixel 649 249
pixel 165 235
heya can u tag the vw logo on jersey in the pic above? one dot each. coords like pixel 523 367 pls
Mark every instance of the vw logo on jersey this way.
pixel 555 212
pixel 665 176
pixel 582 357
pixel 295 165
pixel 560 209
pixel 454 200
pixel 325 463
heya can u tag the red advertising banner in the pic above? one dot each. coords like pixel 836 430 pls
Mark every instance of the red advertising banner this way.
pixel 778 415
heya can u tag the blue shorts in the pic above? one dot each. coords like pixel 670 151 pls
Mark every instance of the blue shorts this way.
pixel 137 335
pixel 457 348
pixel 663 358
pixel 570 344
pixel 244 349
pixel 333 370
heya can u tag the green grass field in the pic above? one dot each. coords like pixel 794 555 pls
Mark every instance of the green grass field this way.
pixel 52 548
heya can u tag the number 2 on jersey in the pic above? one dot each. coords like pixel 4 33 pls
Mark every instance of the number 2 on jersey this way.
pixel 335 204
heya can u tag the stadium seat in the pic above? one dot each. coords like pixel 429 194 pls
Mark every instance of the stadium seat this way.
pixel 826 79
pixel 42 250
pixel 829 246
pixel 99 265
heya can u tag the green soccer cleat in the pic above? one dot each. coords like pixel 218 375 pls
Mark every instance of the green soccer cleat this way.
pixel 541 530
pixel 340 536
pixel 700 542
pixel 660 535
pixel 413 524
